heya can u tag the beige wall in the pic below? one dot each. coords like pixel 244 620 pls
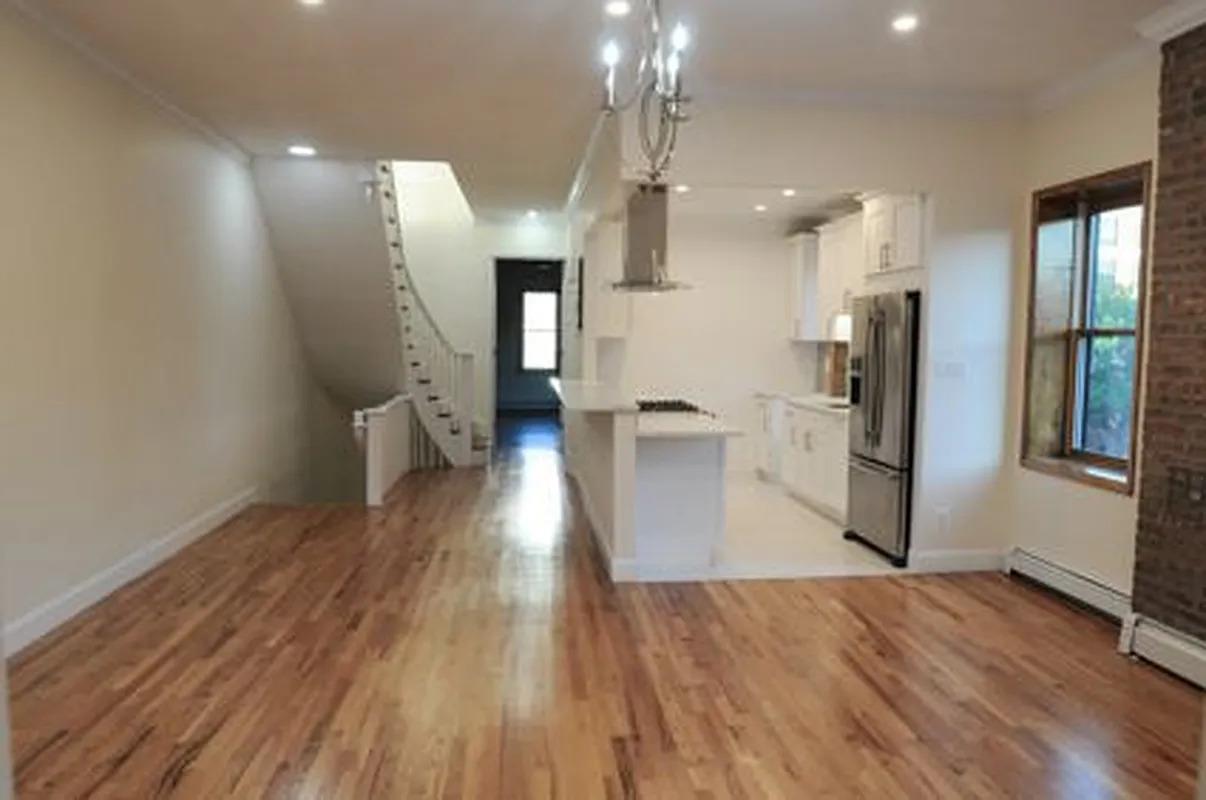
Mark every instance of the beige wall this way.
pixel 1087 530
pixel 150 364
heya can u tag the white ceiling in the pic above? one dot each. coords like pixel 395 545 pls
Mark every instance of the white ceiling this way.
pixel 506 90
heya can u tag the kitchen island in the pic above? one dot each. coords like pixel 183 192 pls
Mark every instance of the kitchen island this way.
pixel 652 484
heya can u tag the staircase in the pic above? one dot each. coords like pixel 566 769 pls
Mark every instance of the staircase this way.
pixel 439 377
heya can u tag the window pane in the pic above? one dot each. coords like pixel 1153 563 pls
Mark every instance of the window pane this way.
pixel 1117 241
pixel 540 311
pixel 1054 277
pixel 1045 411
pixel 1108 396
pixel 540 350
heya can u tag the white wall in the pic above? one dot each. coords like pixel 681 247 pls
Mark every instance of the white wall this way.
pixel 592 232
pixel 967 164
pixel 1084 529
pixel 151 366
pixel 331 248
pixel 450 255
pixel 727 336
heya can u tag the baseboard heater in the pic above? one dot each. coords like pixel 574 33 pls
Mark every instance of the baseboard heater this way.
pixel 1082 588
pixel 1176 652
pixel 1141 636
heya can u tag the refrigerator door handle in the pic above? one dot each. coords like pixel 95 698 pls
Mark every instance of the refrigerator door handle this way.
pixel 881 342
pixel 869 388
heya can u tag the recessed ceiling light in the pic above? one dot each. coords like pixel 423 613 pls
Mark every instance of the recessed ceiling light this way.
pixel 312 3
pixel 789 192
pixel 760 208
pixel 533 213
pixel 905 23
pixel 302 151
pixel 682 188
pixel 617 8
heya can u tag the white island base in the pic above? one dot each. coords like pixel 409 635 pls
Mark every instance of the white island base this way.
pixel 653 485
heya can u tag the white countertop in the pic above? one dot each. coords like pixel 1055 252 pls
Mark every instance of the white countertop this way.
pixel 589 396
pixel 825 404
pixel 662 425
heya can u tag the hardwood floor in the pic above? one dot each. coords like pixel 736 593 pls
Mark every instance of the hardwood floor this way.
pixel 463 643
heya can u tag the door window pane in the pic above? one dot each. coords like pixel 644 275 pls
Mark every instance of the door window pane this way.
pixel 540 311
pixel 540 350
pixel 539 331
pixel 1108 395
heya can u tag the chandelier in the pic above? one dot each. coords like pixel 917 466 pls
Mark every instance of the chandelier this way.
pixel 655 87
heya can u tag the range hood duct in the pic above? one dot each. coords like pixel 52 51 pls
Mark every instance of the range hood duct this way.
pixel 646 224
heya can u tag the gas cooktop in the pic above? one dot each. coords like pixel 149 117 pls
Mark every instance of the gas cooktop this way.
pixel 667 406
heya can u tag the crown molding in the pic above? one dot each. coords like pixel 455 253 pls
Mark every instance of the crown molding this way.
pixel 42 19
pixel 1169 23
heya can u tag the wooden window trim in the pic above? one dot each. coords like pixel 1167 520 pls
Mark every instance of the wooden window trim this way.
pixel 1115 475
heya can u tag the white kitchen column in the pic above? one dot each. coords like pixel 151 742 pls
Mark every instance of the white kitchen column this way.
pixel 1202 761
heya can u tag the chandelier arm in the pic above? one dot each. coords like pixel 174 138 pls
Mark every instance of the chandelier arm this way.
pixel 651 148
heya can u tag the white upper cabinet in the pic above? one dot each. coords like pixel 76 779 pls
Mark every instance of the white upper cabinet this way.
pixel 827 272
pixel 893 232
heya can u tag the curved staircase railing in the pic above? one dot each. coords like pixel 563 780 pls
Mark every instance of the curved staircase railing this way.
pixel 438 375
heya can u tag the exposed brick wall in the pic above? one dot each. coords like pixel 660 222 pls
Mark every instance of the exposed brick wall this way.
pixel 1170 571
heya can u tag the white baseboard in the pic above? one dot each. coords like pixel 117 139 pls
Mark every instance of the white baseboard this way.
pixel 931 561
pixel 1174 651
pixel 1093 593
pixel 592 521
pixel 45 618
pixel 629 570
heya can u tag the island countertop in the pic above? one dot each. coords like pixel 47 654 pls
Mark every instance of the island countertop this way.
pixel 596 398
pixel 589 396
pixel 681 426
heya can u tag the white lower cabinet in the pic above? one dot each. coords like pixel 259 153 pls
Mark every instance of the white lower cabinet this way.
pixel 814 461
pixel 768 439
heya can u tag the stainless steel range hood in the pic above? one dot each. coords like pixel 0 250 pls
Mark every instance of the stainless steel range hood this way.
pixel 645 241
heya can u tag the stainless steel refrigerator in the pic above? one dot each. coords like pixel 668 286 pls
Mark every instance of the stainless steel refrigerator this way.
pixel 883 379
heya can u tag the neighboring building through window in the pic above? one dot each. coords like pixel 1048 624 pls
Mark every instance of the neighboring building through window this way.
pixel 1086 312
pixel 540 331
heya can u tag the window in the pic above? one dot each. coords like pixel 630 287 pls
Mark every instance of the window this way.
pixel 1086 312
pixel 539 332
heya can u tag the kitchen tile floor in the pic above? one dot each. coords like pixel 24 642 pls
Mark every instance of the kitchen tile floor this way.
pixel 769 534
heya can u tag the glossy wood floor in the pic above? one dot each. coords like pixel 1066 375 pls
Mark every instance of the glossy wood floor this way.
pixel 462 643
